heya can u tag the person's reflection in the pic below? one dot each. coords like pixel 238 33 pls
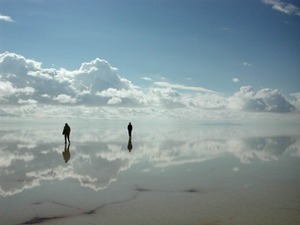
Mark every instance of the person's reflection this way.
pixel 129 146
pixel 66 153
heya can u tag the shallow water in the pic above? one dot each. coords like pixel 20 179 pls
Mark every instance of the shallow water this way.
pixel 169 173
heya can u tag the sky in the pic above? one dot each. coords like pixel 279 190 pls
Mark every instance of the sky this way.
pixel 160 57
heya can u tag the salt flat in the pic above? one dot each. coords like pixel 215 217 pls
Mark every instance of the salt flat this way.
pixel 174 173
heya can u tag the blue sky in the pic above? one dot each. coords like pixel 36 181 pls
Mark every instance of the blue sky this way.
pixel 204 43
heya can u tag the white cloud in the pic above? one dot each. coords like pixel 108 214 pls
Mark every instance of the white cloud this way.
pixel 101 75
pixel 6 89
pixel 246 64
pixel 264 100
pixel 183 87
pixel 45 96
pixel 28 101
pixel 283 7
pixel 235 80
pixel 130 96
pixel 296 99
pixel 27 89
pixel 50 85
pixel 167 98
pixel 114 101
pixel 45 74
pixel 65 99
pixel 11 63
pixel 147 78
pixel 6 18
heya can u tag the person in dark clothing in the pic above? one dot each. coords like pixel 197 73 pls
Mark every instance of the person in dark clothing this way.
pixel 66 132
pixel 129 128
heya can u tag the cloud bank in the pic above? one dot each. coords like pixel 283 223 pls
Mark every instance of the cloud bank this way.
pixel 264 100
pixel 96 87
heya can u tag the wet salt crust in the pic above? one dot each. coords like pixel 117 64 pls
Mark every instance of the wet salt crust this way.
pixel 197 174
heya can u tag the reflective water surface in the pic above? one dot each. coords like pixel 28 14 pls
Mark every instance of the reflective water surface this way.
pixel 169 173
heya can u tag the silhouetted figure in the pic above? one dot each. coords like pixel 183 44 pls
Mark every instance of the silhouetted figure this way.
pixel 129 128
pixel 66 132
pixel 66 153
pixel 129 146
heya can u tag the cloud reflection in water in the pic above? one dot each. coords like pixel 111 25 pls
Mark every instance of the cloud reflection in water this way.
pixel 30 156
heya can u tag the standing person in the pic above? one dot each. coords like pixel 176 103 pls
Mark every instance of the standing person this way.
pixel 129 128
pixel 66 132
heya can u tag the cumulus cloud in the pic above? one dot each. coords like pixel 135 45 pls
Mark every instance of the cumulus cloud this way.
pixel 52 86
pixel 296 99
pixel 168 98
pixel 26 88
pixel 6 18
pixel 130 96
pixel 100 75
pixel 65 99
pixel 283 7
pixel 264 100
pixel 7 89
pixel 114 101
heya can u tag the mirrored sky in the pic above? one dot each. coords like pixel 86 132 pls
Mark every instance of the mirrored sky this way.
pixel 209 160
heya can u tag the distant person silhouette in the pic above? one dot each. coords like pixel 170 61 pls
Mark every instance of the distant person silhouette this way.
pixel 129 128
pixel 66 132
pixel 129 146
pixel 66 153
